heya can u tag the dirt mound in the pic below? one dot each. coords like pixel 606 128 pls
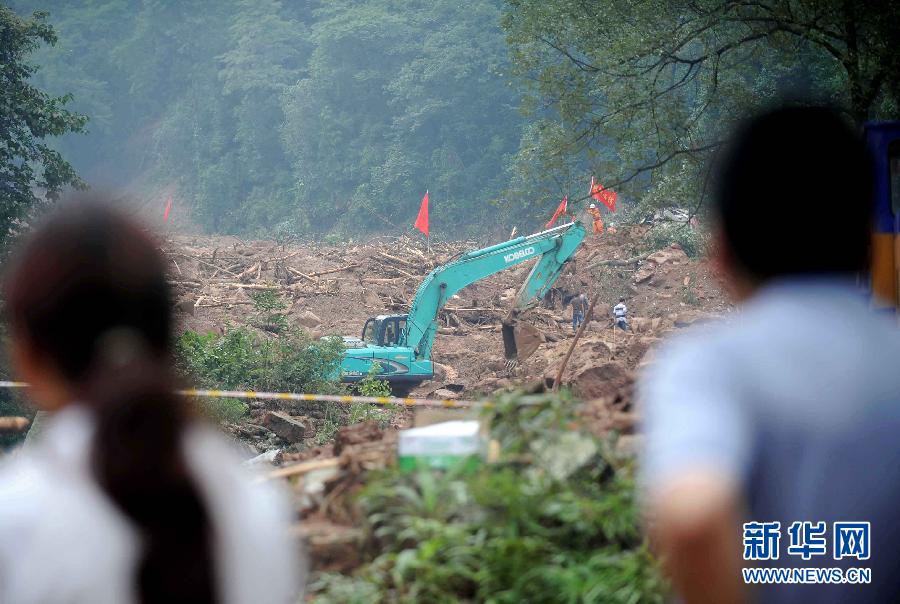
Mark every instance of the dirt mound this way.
pixel 333 289
pixel 600 381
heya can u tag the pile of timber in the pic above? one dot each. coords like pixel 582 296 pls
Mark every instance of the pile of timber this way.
pixel 391 268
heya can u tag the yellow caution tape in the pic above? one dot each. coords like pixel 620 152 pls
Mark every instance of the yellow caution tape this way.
pixel 328 398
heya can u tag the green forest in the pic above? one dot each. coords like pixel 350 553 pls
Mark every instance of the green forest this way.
pixel 333 118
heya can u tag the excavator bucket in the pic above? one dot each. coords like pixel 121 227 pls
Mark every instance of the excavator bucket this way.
pixel 510 350
pixel 520 340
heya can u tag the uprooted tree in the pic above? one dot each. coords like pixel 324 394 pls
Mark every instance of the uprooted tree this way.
pixel 641 92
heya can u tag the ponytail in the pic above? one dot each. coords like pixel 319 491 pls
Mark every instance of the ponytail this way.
pixel 138 461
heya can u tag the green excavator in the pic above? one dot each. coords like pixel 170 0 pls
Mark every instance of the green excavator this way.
pixel 399 346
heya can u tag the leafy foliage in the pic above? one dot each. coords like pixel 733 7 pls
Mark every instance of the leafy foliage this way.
pixel 268 304
pixel 372 386
pixel 28 165
pixel 223 410
pixel 541 525
pixel 640 93
pixel 664 235
pixel 242 360
pixel 309 116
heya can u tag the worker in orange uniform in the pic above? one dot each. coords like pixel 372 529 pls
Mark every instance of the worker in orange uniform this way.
pixel 598 221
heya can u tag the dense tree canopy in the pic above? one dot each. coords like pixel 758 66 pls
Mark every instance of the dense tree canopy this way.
pixel 267 117
pixel 642 91
pixel 29 168
pixel 307 117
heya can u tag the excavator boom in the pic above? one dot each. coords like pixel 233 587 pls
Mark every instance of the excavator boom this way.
pixel 406 357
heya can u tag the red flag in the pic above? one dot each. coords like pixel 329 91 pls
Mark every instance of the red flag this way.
pixel 605 196
pixel 563 206
pixel 168 209
pixel 422 218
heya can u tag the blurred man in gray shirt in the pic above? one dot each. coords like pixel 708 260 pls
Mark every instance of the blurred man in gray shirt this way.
pixel 773 439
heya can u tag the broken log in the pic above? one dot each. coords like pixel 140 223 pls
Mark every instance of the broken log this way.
pixel 250 285
pixel 305 467
pixel 13 424
pixel 246 274
pixel 614 262
pixel 333 270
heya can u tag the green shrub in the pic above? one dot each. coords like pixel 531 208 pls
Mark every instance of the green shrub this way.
pixel 268 305
pixel 334 238
pixel 241 359
pixel 223 409
pixel 371 385
pixel 554 520
pixel 664 235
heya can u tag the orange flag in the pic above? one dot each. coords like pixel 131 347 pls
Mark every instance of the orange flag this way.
pixel 605 196
pixel 563 205
pixel 422 218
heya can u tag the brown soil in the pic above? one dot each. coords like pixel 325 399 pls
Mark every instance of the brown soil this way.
pixel 333 289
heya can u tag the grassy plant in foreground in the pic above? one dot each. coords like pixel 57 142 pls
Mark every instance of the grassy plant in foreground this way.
pixel 555 520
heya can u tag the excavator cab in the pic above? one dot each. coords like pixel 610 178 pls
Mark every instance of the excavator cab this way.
pixel 384 330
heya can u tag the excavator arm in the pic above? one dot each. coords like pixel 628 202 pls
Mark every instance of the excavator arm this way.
pixel 553 248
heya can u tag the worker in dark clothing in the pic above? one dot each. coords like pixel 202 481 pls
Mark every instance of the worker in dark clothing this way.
pixel 579 309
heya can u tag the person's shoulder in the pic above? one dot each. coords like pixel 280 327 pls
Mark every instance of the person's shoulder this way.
pixel 706 339
pixel 21 477
pixel 253 517
pixel 25 492
pixel 216 462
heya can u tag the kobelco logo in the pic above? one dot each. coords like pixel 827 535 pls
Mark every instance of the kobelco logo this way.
pixel 528 251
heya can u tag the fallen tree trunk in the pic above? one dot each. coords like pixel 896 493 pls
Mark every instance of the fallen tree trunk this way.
pixel 13 424
pixel 333 270
pixel 626 262
pixel 304 467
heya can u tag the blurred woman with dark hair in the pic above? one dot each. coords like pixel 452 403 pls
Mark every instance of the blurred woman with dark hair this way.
pixel 126 497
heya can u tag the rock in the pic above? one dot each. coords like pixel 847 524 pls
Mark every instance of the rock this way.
pixel 644 273
pixel 308 319
pixel 671 254
pixel 606 379
pixel 640 324
pixel 497 365
pixel 443 394
pixel 291 428
pixel 269 458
